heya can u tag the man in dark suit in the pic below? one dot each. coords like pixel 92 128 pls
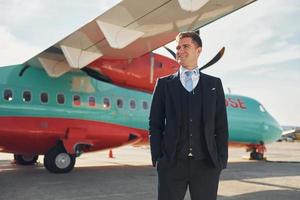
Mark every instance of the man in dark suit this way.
pixel 188 127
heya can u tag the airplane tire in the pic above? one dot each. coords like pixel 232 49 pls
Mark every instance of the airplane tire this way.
pixel 256 156
pixel 25 159
pixel 57 160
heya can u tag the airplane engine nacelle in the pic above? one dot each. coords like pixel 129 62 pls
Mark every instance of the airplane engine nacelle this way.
pixel 138 73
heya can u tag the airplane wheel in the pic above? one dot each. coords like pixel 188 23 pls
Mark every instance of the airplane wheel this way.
pixel 25 159
pixel 57 160
pixel 256 156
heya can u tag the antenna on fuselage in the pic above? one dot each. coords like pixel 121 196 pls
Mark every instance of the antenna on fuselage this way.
pixel 229 90
pixel 26 66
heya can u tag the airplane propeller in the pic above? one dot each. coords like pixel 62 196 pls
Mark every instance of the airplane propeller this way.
pixel 214 59
pixel 211 62
pixel 95 74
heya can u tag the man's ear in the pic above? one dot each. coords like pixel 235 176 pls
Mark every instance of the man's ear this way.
pixel 199 50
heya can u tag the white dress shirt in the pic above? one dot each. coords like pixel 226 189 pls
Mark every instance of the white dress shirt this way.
pixel 195 76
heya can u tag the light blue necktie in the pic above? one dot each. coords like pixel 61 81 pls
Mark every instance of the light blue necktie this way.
pixel 188 80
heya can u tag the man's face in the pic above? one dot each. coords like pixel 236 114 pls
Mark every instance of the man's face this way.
pixel 187 53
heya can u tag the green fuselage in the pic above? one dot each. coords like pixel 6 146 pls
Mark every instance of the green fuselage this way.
pixel 248 121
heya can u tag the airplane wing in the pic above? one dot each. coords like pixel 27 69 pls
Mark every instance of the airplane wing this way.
pixel 288 131
pixel 129 30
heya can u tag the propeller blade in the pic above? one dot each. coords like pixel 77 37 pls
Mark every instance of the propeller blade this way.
pixel 215 59
pixel 151 67
pixel 96 75
pixel 171 52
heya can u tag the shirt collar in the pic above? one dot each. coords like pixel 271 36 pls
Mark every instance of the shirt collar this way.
pixel 182 70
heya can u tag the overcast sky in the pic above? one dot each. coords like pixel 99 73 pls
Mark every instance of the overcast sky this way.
pixel 262 57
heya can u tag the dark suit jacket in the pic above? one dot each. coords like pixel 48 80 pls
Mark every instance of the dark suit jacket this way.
pixel 165 122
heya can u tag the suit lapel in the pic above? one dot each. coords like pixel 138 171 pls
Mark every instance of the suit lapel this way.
pixel 173 86
pixel 207 97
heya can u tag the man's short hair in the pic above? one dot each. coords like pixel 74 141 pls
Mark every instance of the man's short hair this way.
pixel 191 34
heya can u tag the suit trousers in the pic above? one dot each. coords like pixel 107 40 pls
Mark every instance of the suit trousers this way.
pixel 200 176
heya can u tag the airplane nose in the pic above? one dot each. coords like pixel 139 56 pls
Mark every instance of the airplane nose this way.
pixel 272 130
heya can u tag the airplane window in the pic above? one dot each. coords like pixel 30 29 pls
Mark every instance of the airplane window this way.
pixel 26 96
pixel 106 103
pixel 92 101
pixel 44 97
pixel 60 98
pixel 132 104
pixel 8 95
pixel 145 105
pixel 120 103
pixel 76 100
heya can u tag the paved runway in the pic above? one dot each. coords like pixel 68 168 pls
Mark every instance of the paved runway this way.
pixel 129 176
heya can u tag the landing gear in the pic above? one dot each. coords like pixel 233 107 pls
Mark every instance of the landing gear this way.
pixel 57 160
pixel 25 159
pixel 257 151
pixel 256 156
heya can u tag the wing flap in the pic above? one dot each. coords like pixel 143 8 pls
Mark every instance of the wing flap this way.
pixel 53 67
pixel 130 29
pixel 78 58
pixel 118 37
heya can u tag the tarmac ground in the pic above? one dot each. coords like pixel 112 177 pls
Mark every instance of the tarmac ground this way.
pixel 129 176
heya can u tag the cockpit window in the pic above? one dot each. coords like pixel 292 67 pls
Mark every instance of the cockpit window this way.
pixel 262 109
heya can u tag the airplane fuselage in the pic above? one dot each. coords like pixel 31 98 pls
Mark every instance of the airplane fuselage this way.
pixel 36 111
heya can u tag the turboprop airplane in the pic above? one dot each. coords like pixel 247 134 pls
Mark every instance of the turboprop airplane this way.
pixel 92 90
